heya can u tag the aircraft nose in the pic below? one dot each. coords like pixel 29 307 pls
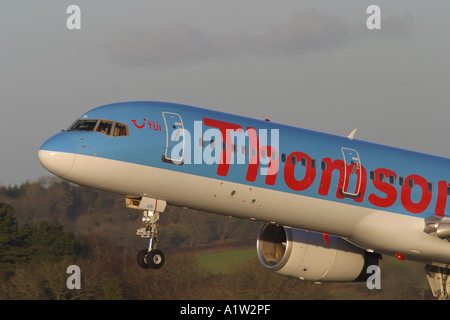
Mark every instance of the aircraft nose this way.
pixel 57 154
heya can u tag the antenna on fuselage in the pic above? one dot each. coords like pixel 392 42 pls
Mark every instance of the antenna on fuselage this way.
pixel 352 134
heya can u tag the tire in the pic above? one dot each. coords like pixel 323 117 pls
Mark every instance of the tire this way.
pixel 142 259
pixel 155 259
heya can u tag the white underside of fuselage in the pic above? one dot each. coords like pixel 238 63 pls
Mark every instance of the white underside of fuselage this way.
pixel 381 231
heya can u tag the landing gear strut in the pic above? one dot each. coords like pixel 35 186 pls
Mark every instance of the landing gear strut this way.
pixel 439 280
pixel 150 257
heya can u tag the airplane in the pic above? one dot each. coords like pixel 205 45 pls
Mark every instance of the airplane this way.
pixel 330 206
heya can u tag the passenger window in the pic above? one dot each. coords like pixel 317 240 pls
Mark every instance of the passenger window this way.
pixel 304 162
pixel 104 127
pixel 392 179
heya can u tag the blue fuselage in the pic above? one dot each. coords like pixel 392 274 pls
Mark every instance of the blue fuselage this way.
pixel 268 155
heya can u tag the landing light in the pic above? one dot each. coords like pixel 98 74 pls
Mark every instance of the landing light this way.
pixel 149 217
pixel 146 219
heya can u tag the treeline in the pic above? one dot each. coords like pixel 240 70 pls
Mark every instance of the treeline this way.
pixel 83 210
pixel 48 225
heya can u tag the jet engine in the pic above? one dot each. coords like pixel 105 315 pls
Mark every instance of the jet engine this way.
pixel 311 256
pixel 439 226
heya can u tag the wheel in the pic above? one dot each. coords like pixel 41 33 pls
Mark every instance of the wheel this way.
pixel 142 259
pixel 155 259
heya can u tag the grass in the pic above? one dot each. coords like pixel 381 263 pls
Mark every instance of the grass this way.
pixel 223 261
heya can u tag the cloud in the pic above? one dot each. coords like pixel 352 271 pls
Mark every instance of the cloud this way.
pixel 397 25
pixel 307 31
pixel 173 43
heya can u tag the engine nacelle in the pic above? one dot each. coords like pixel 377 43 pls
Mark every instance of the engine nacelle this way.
pixel 438 224
pixel 307 256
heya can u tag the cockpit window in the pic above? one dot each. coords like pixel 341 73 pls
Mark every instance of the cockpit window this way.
pixel 84 125
pixel 120 130
pixel 106 127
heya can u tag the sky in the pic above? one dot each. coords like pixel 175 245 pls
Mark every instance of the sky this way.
pixel 311 64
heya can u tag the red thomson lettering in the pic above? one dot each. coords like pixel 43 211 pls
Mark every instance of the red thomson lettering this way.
pixel 225 130
pixel 253 165
pixel 254 152
pixel 325 180
pixel 345 171
pixel 361 177
pixel 272 171
pixel 425 200
pixel 385 187
pixel 289 177
pixel 339 165
pixel 441 201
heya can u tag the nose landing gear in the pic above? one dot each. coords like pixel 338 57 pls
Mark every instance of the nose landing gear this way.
pixel 150 257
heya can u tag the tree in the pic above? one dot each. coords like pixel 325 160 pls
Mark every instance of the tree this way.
pixel 49 241
pixel 10 237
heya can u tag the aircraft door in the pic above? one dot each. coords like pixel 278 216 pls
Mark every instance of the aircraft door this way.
pixel 352 173
pixel 175 139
